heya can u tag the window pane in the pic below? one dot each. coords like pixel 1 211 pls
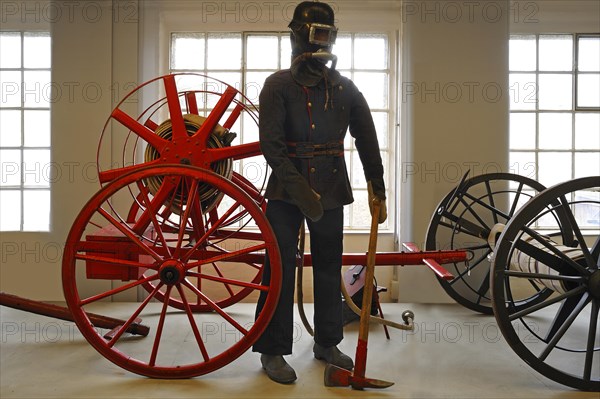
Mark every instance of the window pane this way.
pixel 254 84
pixel 522 53
pixel 523 163
pixel 587 131
pixel 10 210
pixel 555 131
pixel 523 92
pixel 556 53
pixel 343 50
pixel 232 78
pixel 224 51
pixel 36 210
pixel 358 175
pixel 37 128
pixel 37 89
pixel 588 90
pixel 286 52
pixel 11 168
pixel 187 51
pixel 36 50
pixel 373 85
pixel 522 131
pixel 587 164
pixel 361 216
pixel 380 119
pixel 370 52
pixel 250 129
pixel 555 91
pixel 587 212
pixel 262 52
pixel 10 87
pixel 589 54
pixel 10 50
pixel 554 168
pixel 36 168
pixel 10 128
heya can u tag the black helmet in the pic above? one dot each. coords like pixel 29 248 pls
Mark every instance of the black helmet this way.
pixel 312 27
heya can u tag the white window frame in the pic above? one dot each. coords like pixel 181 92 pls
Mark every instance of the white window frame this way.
pixel 390 161
pixel 40 172
pixel 533 172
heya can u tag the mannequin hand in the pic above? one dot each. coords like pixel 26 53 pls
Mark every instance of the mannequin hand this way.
pixel 382 208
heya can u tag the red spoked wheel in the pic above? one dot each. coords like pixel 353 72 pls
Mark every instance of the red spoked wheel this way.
pixel 103 246
pixel 190 124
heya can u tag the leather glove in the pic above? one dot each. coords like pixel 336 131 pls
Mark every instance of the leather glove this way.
pixel 312 207
pixel 375 193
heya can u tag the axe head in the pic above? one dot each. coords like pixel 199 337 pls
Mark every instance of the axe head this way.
pixel 339 377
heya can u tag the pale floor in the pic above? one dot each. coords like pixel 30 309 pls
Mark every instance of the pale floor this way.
pixel 454 353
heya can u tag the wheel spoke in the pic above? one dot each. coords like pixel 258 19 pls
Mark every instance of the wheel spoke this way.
pixel 134 316
pixel 589 352
pixel 118 290
pixel 111 174
pixel 565 326
pixel 165 190
pixel 228 281
pixel 534 308
pixel 234 116
pixel 191 102
pixel 191 200
pixel 582 245
pixel 216 307
pixel 515 202
pixel 596 251
pixel 566 309
pixel 490 195
pixel 130 234
pixel 159 330
pixel 465 226
pixel 515 273
pixel 116 261
pixel 471 267
pixel 545 257
pixel 216 114
pixel 475 215
pixel 179 130
pixel 495 211
pixel 484 287
pixel 146 200
pixel 142 131
pixel 226 256
pixel 193 324
pixel 227 287
pixel 214 227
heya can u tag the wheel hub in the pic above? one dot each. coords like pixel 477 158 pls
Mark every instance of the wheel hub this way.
pixel 594 284
pixel 171 272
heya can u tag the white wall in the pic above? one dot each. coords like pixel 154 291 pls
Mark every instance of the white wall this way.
pixel 94 54
pixel 455 113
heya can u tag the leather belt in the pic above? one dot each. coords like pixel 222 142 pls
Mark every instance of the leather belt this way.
pixel 307 150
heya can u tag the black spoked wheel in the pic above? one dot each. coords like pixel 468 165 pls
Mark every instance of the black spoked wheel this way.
pixel 464 219
pixel 559 336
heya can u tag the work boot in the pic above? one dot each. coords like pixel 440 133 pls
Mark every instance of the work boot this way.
pixel 277 369
pixel 333 355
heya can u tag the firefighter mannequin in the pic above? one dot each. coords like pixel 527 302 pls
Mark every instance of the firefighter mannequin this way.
pixel 305 112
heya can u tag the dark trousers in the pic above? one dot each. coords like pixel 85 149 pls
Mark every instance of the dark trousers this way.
pixel 326 237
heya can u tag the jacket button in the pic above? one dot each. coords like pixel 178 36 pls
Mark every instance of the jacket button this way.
pixel 313 170
pixel 309 105
pixel 335 171
pixel 341 87
pixel 313 126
